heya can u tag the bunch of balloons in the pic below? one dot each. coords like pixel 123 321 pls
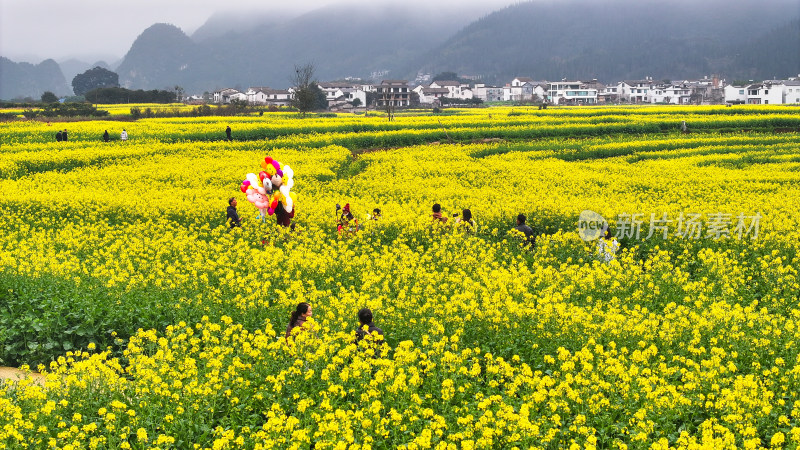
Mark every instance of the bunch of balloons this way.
pixel 270 187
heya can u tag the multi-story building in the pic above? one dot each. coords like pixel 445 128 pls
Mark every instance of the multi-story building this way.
pixel 488 93
pixel 571 93
pixel 635 91
pixel 393 93
pixel 765 93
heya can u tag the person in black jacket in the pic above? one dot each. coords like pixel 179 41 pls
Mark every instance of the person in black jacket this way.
pixel 367 328
pixel 58 136
pixel 522 227
pixel 228 133
pixel 105 136
pixel 64 135
pixel 233 215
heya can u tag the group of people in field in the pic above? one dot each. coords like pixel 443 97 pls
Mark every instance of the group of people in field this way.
pixel 298 322
pixel 62 136
pixel 348 225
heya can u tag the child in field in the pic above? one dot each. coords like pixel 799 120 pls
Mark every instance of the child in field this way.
pixel 607 247
pixel 346 224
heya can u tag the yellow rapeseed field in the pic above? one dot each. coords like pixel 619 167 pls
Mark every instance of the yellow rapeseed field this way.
pixel 158 326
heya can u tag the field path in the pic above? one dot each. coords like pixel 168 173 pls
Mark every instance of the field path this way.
pixel 10 373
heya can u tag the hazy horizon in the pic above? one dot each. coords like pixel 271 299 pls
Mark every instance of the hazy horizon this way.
pixel 93 30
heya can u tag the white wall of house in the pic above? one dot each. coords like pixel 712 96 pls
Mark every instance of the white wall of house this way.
pixel 791 92
pixel 240 96
pixel 735 94
pixel 634 91
pixel 765 94
pixel 488 93
pixel 675 95
pixel 539 92
pixel 225 95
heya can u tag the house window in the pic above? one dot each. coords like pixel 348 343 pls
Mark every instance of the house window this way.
pixel 741 91
pixel 766 102
pixel 766 91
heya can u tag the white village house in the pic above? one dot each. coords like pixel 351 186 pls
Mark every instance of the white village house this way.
pixel 524 89
pixel 670 93
pixel 455 89
pixel 488 93
pixel 571 92
pixel 340 93
pixel 223 96
pixel 430 95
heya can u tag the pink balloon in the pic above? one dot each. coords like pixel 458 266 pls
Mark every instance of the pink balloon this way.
pixel 276 165
pixel 246 183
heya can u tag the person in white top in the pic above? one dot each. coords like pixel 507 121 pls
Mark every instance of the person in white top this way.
pixel 124 135
pixel 607 247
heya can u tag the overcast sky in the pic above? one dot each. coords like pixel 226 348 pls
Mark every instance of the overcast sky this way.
pixel 33 30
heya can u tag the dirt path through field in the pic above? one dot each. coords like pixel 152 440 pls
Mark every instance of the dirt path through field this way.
pixel 10 373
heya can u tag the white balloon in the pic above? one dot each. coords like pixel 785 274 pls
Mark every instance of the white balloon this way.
pixel 253 179
pixel 289 205
pixel 289 174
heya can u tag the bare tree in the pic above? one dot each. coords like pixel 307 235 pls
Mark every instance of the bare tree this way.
pixel 178 93
pixel 304 85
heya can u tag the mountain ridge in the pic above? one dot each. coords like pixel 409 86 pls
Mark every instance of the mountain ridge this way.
pixel 575 39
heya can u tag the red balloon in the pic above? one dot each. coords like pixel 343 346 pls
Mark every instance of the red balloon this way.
pixel 262 175
pixel 243 188
pixel 268 160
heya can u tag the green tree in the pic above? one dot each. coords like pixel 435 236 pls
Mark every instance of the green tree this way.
pixel 320 100
pixel 93 79
pixel 49 97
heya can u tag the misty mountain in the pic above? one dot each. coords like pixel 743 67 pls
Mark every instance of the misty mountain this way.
pixel 340 40
pixel 31 80
pixel 771 54
pixel 544 39
pixel 232 22
pixel 162 56
pixel 615 40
